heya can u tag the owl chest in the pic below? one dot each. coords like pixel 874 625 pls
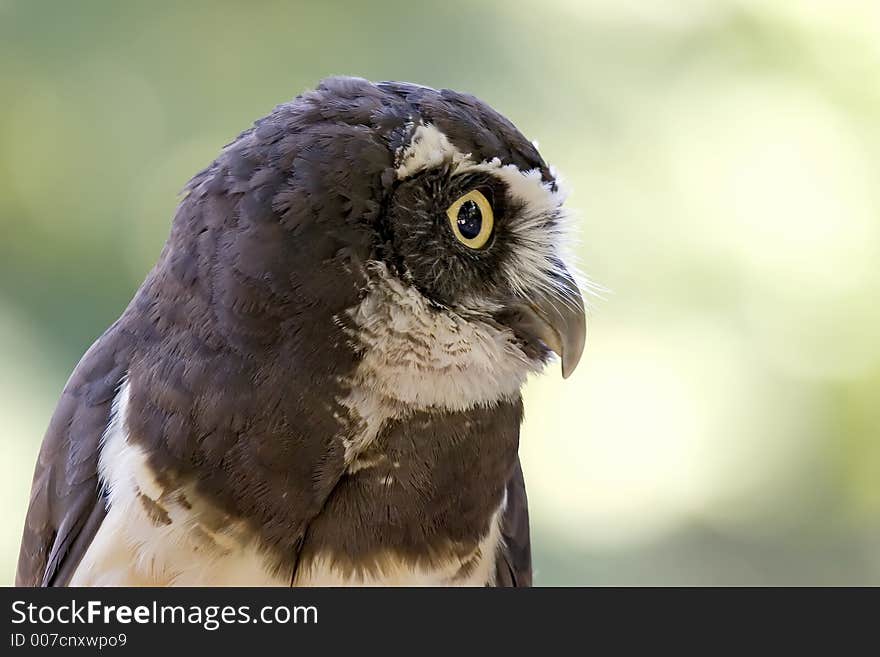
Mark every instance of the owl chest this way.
pixel 420 503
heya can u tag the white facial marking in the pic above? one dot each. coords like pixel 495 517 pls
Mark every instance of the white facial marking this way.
pixel 540 243
pixel 420 357
pixel 428 148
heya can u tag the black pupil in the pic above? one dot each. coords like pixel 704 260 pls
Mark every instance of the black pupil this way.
pixel 470 220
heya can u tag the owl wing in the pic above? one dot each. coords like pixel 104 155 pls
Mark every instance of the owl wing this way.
pixel 514 567
pixel 67 505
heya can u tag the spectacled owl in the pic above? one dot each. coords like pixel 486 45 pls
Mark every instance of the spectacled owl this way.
pixel 319 381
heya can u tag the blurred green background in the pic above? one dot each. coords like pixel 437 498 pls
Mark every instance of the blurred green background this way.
pixel 724 161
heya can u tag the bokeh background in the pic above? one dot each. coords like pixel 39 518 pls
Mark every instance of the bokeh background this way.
pixel 724 161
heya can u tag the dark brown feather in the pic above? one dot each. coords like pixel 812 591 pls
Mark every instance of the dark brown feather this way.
pixel 514 566
pixel 66 505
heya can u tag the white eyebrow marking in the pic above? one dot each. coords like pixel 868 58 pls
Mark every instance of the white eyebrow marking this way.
pixel 428 148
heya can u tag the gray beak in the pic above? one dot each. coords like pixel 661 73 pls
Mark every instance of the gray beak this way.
pixel 558 320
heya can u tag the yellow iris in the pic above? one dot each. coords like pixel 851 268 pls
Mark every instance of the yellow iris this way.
pixel 471 219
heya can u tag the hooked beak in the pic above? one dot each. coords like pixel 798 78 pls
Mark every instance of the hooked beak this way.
pixel 557 320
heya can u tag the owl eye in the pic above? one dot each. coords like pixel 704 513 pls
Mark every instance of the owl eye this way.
pixel 471 219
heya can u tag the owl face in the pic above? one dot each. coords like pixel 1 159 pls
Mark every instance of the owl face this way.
pixel 480 244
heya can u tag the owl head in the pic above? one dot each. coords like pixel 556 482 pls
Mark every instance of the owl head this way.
pixel 412 237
